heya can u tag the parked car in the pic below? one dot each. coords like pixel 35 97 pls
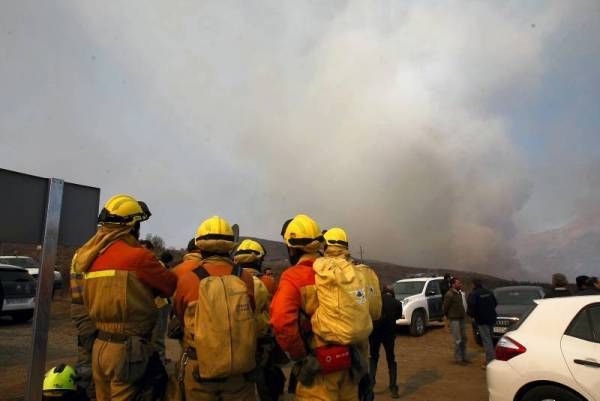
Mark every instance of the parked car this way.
pixel 513 303
pixel 32 267
pixel 553 353
pixel 18 288
pixel 422 301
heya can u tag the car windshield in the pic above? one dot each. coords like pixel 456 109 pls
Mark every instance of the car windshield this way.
pixel 516 296
pixel 407 288
pixel 27 263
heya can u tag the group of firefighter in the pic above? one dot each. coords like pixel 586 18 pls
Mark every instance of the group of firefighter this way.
pixel 236 327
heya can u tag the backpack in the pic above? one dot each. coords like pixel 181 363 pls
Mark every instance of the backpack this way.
pixel 373 290
pixel 224 326
pixel 342 316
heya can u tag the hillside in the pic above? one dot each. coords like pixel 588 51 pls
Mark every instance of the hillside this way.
pixel 388 272
pixel 573 249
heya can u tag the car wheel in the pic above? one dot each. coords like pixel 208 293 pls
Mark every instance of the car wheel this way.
pixel 550 393
pixel 22 317
pixel 417 323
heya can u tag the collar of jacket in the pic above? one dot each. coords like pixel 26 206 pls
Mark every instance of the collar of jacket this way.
pixel 217 259
pixel 307 260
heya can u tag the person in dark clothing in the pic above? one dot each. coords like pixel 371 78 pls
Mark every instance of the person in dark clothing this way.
pixel 559 287
pixel 166 258
pixel 445 285
pixel 581 282
pixel 592 287
pixel 481 306
pixel 384 332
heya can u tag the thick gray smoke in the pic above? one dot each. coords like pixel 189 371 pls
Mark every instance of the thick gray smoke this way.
pixel 378 117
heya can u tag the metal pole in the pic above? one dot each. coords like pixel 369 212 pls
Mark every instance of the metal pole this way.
pixel 41 318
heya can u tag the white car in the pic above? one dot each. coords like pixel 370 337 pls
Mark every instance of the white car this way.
pixel 553 354
pixel 422 302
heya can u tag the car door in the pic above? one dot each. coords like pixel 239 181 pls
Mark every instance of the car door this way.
pixel 434 300
pixel 581 349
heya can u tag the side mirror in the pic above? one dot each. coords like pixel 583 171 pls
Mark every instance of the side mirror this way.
pixel 431 293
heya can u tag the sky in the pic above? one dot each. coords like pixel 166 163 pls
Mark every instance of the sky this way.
pixel 436 133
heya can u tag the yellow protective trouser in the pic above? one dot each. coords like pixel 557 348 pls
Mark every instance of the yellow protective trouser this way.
pixel 234 388
pixel 106 358
pixel 336 386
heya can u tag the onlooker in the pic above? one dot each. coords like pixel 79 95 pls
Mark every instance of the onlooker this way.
pixel 166 259
pixel 581 282
pixel 384 332
pixel 481 306
pixel 445 284
pixel 559 287
pixel 454 310
pixel 592 287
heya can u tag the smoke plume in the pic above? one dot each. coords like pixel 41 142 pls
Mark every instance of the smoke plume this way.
pixel 386 118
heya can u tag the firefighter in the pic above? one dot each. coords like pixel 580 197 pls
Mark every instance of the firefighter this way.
pixel 121 281
pixel 220 352
pixel 270 380
pixel 291 309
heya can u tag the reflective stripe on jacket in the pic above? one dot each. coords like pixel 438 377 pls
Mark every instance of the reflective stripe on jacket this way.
pixel 120 288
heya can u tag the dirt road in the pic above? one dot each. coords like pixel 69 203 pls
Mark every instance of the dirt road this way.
pixel 426 370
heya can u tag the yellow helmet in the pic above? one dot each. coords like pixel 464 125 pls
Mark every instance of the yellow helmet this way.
pixel 214 235
pixel 249 251
pixel 336 237
pixel 124 210
pixel 59 379
pixel 302 231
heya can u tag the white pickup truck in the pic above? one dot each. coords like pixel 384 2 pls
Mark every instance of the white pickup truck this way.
pixel 422 302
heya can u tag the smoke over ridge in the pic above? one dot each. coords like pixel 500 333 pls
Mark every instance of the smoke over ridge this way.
pixel 383 118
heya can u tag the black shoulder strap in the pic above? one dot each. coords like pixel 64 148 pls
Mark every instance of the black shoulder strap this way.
pixel 201 272
pixel 236 270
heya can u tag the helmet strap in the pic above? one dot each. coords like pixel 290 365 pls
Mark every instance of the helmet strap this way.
pixel 294 255
pixel 135 231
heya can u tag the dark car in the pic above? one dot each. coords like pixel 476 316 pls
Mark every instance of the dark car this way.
pixel 18 290
pixel 514 303
pixel 33 268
